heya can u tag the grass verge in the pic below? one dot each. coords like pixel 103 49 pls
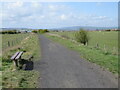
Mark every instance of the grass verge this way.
pixel 21 78
pixel 103 39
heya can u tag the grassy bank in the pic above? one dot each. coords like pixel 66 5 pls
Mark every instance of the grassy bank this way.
pixel 20 78
pixel 105 60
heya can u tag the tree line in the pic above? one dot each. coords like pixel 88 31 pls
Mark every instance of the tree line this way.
pixel 9 32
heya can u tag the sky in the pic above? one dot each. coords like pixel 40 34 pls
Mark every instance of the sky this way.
pixel 58 14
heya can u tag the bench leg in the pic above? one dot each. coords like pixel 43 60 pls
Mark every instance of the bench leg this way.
pixel 15 64
pixel 20 63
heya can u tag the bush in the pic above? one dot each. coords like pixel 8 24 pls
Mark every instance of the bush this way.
pixel 41 31
pixel 34 31
pixel 82 36
pixel 108 30
pixel 46 30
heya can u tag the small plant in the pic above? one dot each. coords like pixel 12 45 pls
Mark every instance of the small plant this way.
pixel 82 36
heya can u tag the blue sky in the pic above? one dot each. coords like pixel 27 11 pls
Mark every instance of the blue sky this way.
pixel 58 14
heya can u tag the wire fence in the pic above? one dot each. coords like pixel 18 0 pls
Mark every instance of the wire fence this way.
pixel 9 40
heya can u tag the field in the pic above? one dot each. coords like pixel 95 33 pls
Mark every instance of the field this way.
pixel 106 55
pixel 20 78
pixel 9 40
pixel 105 40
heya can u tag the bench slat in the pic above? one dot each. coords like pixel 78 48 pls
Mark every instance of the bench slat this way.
pixel 18 56
pixel 14 56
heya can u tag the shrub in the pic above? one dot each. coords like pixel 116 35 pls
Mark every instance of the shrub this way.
pixel 43 30
pixel 82 36
pixel 46 30
pixel 40 31
pixel 34 31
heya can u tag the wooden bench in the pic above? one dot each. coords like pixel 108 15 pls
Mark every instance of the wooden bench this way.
pixel 16 57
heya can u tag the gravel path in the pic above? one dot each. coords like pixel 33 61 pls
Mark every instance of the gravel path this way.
pixel 60 67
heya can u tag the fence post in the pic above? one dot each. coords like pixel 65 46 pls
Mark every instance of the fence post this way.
pixel 105 50
pixel 97 45
pixel 8 44
pixel 114 51
pixel 16 41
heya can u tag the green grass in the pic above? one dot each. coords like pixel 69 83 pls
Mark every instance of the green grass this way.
pixel 32 47
pixel 93 55
pixel 107 40
pixel 12 39
pixel 20 78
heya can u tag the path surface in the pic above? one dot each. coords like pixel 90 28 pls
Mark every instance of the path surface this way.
pixel 60 67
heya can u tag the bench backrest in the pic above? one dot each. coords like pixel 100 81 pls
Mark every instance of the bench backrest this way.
pixel 19 55
pixel 14 56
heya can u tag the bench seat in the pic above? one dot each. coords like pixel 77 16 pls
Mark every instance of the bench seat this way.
pixel 14 56
pixel 19 55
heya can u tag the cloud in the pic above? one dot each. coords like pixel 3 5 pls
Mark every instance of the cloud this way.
pixel 47 14
pixel 52 7
pixel 63 17
pixel 14 5
pixel 36 5
pixel 100 17
pixel 18 4
pixel 93 17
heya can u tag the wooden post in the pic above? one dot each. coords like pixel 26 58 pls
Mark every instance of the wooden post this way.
pixel 105 50
pixel 8 44
pixel 97 46
pixel 114 51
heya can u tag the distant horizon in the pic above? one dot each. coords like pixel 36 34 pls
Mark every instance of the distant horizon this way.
pixel 60 27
